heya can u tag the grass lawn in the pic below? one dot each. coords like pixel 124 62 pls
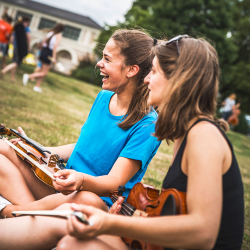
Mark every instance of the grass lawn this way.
pixel 56 116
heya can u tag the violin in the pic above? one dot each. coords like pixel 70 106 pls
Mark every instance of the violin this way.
pixel 43 162
pixel 146 201
pixel 233 119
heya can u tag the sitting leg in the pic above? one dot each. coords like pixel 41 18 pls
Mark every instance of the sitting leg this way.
pixel 28 233
pixel 36 187
pixel 52 201
pixel 104 242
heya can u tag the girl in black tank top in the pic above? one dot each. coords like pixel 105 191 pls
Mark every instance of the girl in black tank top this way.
pixel 183 83
pixel 232 221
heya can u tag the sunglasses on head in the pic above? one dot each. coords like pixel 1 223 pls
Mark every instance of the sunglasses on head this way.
pixel 176 40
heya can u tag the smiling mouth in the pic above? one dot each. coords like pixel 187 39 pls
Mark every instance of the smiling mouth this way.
pixel 106 76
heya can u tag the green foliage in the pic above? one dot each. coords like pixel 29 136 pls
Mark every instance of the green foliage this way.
pixel 103 38
pixel 240 75
pixel 88 72
pixel 210 19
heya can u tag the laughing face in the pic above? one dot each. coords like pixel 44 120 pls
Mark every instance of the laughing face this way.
pixel 112 67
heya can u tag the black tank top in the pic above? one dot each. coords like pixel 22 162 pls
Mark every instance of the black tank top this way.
pixel 232 221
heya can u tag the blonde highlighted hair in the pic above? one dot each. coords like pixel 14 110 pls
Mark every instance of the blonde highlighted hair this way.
pixel 193 86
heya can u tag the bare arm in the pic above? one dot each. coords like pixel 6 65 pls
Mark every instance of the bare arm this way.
pixel 64 151
pixel 122 171
pixel 28 39
pixel 58 40
pixel 12 38
pixel 236 106
pixel 204 157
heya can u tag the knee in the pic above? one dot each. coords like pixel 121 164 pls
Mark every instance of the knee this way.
pixel 65 206
pixel 89 198
pixel 4 148
pixel 72 243
pixel 64 243
pixel 3 160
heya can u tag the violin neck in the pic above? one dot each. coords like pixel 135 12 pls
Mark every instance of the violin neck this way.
pixel 128 210
pixel 31 142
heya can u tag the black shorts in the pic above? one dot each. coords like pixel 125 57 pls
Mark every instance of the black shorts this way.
pixel 16 57
pixel 45 53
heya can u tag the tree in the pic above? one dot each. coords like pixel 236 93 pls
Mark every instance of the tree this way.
pixel 240 83
pixel 210 19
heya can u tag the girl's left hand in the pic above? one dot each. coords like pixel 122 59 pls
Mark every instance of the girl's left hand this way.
pixel 116 207
pixel 96 217
pixel 53 59
pixel 67 181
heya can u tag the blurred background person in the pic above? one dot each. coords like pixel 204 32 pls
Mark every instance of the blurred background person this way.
pixel 228 106
pixel 21 41
pixel 38 67
pixel 9 20
pixel 48 55
pixel 5 33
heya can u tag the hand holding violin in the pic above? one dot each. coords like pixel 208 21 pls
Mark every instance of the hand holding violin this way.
pixel 116 207
pixel 67 181
pixel 16 140
pixel 96 217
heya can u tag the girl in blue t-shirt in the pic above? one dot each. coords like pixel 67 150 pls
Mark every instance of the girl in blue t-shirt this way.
pixel 115 145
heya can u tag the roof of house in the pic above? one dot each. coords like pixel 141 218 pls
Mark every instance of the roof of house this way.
pixel 49 10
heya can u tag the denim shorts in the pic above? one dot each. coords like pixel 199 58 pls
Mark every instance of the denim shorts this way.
pixel 3 47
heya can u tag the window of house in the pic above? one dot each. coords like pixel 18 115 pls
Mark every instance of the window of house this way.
pixel 71 32
pixel 23 14
pixel 46 24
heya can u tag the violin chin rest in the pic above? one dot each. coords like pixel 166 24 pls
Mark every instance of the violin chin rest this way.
pixel 169 207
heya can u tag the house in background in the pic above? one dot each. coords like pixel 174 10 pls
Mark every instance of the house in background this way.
pixel 78 37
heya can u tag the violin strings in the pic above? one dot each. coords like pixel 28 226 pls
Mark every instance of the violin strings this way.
pixel 125 207
pixel 124 204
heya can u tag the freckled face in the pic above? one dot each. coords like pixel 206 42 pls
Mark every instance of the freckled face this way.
pixel 157 83
pixel 112 67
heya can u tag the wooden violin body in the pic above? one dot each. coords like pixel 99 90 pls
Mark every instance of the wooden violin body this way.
pixel 233 119
pixel 43 163
pixel 146 201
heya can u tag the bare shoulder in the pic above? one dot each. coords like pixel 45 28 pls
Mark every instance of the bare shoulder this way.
pixel 205 132
pixel 206 146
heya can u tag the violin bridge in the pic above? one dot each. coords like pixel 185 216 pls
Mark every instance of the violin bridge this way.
pixel 55 161
pixel 52 161
pixel 139 213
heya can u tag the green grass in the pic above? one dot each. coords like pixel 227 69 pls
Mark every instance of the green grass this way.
pixel 56 116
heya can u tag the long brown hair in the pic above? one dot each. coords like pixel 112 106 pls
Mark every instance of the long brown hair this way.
pixel 192 91
pixel 59 27
pixel 136 46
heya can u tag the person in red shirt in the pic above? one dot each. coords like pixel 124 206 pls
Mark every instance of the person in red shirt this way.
pixel 21 40
pixel 9 21
pixel 5 32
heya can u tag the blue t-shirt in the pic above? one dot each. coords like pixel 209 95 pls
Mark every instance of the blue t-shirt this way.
pixel 102 142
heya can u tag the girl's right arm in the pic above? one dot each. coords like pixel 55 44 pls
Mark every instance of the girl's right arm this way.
pixel 64 151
